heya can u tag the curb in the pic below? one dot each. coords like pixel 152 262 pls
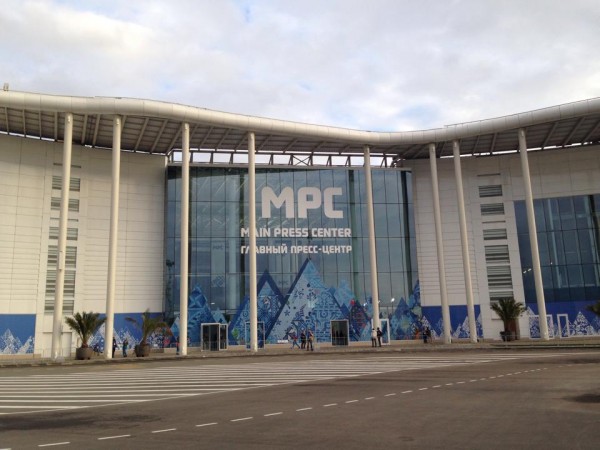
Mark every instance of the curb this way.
pixel 273 352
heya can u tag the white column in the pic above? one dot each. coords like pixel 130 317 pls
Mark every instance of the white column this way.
pixel 464 241
pixel 113 238
pixel 533 242
pixel 372 248
pixel 62 239
pixel 252 244
pixel 437 216
pixel 185 219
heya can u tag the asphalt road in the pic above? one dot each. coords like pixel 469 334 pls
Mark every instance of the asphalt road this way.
pixel 458 400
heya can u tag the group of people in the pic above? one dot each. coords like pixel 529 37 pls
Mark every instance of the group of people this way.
pixel 306 340
pixel 376 337
pixel 115 346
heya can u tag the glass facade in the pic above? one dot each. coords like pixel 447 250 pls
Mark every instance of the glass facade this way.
pixel 304 215
pixel 568 232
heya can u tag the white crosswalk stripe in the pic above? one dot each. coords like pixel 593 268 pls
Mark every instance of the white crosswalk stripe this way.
pixel 82 390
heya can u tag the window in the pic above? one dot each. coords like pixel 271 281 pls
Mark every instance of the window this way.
pixel 491 209
pixel 73 204
pixel 568 241
pixel 494 233
pixel 496 254
pixel 75 185
pixel 494 190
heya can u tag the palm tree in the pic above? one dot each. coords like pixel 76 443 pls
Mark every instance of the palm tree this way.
pixel 595 308
pixel 508 310
pixel 85 325
pixel 148 325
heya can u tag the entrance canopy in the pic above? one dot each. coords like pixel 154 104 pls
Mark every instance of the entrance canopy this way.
pixel 155 127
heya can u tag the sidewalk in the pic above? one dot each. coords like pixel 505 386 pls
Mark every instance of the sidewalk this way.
pixel 592 342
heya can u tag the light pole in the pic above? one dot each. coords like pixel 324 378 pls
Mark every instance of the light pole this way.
pixel 392 301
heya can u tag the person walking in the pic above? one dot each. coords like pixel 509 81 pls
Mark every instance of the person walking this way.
pixel 125 345
pixel 302 340
pixel 379 334
pixel 114 347
pixel 309 341
pixel 373 338
pixel 294 340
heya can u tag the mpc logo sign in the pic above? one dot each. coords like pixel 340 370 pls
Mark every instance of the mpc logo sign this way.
pixel 307 198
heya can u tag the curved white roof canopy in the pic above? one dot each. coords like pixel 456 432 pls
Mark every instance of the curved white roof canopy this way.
pixel 155 127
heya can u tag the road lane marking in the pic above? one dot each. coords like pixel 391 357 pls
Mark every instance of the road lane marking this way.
pixel 68 401
pixel 280 412
pixel 437 386
pixel 40 406
pixel 47 392
pixel 114 437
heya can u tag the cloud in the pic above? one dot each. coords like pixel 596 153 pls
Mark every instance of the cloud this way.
pixel 381 65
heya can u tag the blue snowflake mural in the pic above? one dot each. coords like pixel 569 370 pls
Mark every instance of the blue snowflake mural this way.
pixel 269 305
pixel 308 305
pixel 17 334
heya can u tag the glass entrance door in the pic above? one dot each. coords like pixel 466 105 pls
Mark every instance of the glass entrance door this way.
pixel 211 336
pixel 564 329
pixel 339 332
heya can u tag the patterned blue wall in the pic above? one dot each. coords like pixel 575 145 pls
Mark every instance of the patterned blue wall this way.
pixel 308 305
pixel 459 322
pixel 123 329
pixel 17 334
pixel 581 321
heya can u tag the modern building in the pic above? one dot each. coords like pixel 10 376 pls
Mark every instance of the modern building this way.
pixel 267 228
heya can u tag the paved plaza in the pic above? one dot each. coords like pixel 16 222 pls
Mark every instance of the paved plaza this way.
pixel 478 398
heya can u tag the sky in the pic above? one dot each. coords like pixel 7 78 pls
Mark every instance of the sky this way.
pixel 380 65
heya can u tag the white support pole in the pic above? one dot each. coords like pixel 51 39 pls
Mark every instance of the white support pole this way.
pixel 252 244
pixel 437 216
pixel 113 238
pixel 464 241
pixel 372 247
pixel 533 242
pixel 185 219
pixel 62 239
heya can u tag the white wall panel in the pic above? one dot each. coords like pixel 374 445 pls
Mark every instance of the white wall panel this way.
pixel 26 170
pixel 553 174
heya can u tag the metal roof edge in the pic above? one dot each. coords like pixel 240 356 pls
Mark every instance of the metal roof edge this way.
pixel 184 113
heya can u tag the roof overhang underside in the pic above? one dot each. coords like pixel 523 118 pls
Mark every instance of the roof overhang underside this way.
pixel 155 127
